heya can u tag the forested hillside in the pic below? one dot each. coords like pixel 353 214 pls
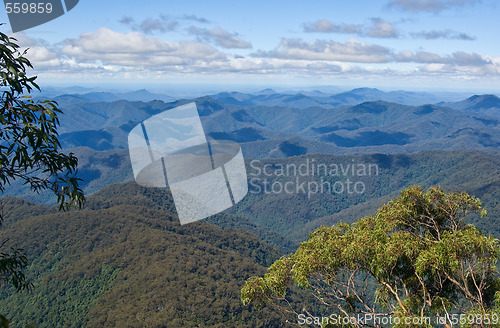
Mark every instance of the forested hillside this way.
pixel 124 261
pixel 284 219
pixel 297 213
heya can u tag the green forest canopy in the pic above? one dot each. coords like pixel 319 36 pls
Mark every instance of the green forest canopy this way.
pixel 414 258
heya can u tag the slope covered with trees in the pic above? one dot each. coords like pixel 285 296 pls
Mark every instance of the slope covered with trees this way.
pixel 295 214
pixel 124 261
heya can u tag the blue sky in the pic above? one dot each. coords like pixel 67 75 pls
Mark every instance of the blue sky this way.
pixel 391 44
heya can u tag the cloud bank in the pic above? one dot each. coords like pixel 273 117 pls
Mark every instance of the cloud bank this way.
pixel 378 28
pixel 434 6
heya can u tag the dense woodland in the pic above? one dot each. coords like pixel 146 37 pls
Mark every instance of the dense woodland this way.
pixel 123 261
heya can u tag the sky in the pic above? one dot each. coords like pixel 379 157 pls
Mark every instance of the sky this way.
pixel 390 44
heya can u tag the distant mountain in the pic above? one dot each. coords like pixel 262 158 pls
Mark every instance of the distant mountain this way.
pixel 97 169
pixel 104 139
pixel 143 95
pixel 51 91
pixel 94 97
pixel 374 126
pixel 367 127
pixel 360 95
pixel 95 139
pixel 488 105
pixel 84 116
pixel 79 95
pixel 269 97
pixel 68 99
pixel 266 91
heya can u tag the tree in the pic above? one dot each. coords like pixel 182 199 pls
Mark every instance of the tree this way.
pixel 416 258
pixel 29 149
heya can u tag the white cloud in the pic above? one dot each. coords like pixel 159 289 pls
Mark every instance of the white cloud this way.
pixel 135 49
pixel 220 37
pixel 326 26
pixel 458 58
pixel 382 29
pixel 40 54
pixel 151 25
pixel 116 55
pixel 429 5
pixel 355 51
pixel 351 51
pixel 378 28
pixel 127 20
pixel 195 18
pixel 442 34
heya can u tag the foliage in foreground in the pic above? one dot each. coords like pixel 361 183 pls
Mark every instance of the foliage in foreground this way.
pixel 418 253
pixel 29 151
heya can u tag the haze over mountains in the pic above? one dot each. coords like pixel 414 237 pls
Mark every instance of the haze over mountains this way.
pixel 269 124
pixel 97 130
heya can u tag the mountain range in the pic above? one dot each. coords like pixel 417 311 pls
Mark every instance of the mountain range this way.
pixel 81 94
pixel 125 261
pixel 273 125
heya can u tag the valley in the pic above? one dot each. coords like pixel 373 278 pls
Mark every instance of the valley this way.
pixel 312 159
